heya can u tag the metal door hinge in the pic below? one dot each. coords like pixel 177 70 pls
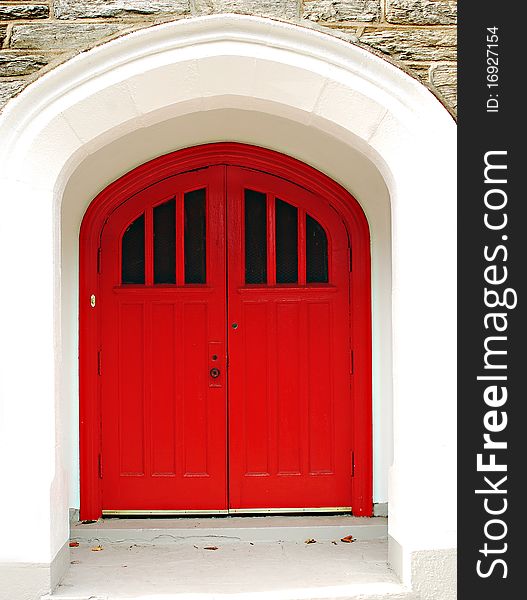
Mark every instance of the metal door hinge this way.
pixel 92 300
pixel 98 362
pixel 98 260
pixel 100 466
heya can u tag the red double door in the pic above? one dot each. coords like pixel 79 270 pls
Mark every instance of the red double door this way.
pixel 225 347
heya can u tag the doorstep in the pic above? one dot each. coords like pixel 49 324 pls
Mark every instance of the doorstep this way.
pixel 269 528
pixel 229 569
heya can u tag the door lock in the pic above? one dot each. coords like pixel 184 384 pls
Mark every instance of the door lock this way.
pixel 214 372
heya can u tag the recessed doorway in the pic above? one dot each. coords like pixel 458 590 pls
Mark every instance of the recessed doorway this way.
pixel 226 372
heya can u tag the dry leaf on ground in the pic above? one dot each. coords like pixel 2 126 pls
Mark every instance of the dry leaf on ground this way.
pixel 210 548
pixel 74 544
pixel 96 548
pixel 311 541
pixel 348 539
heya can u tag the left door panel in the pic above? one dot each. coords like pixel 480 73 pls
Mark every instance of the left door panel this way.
pixel 163 406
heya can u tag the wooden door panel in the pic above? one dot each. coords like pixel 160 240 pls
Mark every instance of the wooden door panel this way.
pixel 195 401
pixel 163 398
pixel 131 390
pixel 288 358
pixel 289 376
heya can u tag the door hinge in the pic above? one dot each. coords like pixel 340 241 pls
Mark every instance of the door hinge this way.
pixel 352 362
pixel 98 260
pixel 100 466
pixel 353 464
pixel 98 362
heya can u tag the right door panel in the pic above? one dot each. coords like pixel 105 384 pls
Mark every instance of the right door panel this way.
pixel 290 413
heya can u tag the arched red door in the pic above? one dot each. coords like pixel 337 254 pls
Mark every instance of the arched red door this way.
pixel 225 370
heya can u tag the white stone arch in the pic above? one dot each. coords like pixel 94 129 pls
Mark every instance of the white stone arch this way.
pixel 350 114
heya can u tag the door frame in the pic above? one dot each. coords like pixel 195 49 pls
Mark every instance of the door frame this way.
pixel 261 159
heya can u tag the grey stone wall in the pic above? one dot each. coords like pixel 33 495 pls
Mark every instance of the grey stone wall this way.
pixel 418 36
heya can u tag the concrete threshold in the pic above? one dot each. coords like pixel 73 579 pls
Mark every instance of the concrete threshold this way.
pixel 229 569
pixel 269 528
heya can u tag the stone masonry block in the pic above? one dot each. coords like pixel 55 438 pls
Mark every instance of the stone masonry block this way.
pixel 413 44
pixel 62 36
pixel 421 12
pixel 285 9
pixel 442 77
pixel 9 12
pixel 80 9
pixel 12 65
pixel 420 71
pixel 8 89
pixel 3 32
pixel 444 80
pixel 335 11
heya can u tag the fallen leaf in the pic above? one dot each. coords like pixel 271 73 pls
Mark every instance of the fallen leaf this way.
pixel 75 562
pixel 348 539
pixel 311 541
pixel 74 544
pixel 210 548
pixel 96 548
pixel 252 544
pixel 333 542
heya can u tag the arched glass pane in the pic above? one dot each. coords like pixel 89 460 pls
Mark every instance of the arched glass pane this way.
pixel 255 237
pixel 165 243
pixel 195 237
pixel 133 252
pixel 316 252
pixel 286 242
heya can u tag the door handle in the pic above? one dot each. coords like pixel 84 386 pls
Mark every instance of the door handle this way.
pixel 214 372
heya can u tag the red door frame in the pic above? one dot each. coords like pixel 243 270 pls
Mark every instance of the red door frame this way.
pixel 181 161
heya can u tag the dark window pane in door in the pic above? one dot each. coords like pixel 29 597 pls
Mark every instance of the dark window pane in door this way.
pixel 195 237
pixel 133 252
pixel 286 242
pixel 255 237
pixel 316 252
pixel 165 242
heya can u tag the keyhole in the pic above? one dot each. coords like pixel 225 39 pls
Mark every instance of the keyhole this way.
pixel 214 357
pixel 235 325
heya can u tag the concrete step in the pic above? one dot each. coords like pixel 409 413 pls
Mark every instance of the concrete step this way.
pixel 269 528
pixel 195 569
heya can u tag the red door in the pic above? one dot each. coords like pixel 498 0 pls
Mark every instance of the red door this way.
pixel 164 441
pixel 290 413
pixel 225 388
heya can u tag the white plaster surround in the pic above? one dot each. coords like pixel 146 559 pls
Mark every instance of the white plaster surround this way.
pixel 333 105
